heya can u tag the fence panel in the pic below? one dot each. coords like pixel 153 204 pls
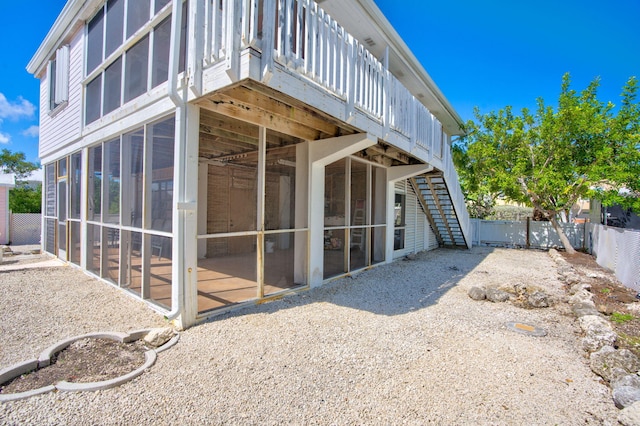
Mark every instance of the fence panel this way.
pixel 508 233
pixel 25 228
pixel 617 249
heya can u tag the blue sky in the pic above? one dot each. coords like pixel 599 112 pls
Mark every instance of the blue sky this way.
pixel 488 54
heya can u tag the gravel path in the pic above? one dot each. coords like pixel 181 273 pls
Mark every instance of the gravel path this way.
pixel 399 344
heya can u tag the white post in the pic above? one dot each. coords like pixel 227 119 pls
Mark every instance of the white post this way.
pixel 185 220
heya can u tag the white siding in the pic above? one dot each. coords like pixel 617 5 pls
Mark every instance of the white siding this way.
pixel 64 127
pixel 432 242
pixel 414 219
pixel 418 233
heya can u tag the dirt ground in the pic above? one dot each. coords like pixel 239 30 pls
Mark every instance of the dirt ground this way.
pixel 84 361
pixel 619 303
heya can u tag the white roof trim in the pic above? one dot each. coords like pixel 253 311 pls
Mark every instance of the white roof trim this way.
pixel 72 15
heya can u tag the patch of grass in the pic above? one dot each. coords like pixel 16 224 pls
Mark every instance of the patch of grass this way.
pixel 631 341
pixel 619 318
pixel 605 290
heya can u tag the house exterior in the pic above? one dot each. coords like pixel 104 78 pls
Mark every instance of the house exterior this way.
pixel 7 182
pixel 205 154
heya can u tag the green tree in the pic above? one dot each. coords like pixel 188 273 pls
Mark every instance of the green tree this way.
pixel 553 157
pixel 25 199
pixel 16 163
pixel 477 191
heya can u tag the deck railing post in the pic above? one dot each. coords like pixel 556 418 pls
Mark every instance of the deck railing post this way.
pixel 413 113
pixel 197 33
pixel 233 38
pixel 351 84
pixel 268 34
pixel 387 93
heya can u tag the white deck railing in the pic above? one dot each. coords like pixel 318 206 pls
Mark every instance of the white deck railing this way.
pixel 307 41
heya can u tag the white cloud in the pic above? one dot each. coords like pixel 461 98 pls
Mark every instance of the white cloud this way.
pixel 22 108
pixel 32 132
pixel 4 138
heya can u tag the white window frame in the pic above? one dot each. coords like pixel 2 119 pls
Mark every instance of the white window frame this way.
pixel 58 79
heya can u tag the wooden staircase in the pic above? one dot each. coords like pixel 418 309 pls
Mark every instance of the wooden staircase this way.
pixel 439 208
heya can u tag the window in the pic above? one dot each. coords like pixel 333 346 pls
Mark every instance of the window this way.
pixel 161 140
pixel 93 96
pixel 59 78
pixel 114 30
pixel 118 76
pixel 75 182
pixel 135 74
pixel 95 33
pixel 354 216
pixel 161 43
pixel 132 178
pixel 112 85
pixel 160 4
pixel 111 191
pixel 94 187
pixel 134 259
pixel 399 221
pixel 137 15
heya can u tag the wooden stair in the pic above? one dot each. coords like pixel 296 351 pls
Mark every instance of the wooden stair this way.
pixel 440 209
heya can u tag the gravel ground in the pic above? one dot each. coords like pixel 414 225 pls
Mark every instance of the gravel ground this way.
pixel 399 344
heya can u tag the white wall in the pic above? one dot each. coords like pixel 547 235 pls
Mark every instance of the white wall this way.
pixel 63 128
pixel 418 233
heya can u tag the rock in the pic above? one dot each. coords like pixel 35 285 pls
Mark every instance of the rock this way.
pixel 607 363
pixel 581 296
pixel 627 380
pixel 411 256
pixel 584 308
pixel 625 396
pixel 598 332
pixel 158 336
pixel 630 416
pixel 616 374
pixel 495 295
pixel 580 286
pixel 520 289
pixel 633 307
pixel 539 299
pixel 477 293
pixel 564 269
pixel 604 309
pixel 570 278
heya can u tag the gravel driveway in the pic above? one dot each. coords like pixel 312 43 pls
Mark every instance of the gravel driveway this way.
pixel 399 344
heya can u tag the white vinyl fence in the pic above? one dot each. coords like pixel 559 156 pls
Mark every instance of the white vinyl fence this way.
pixel 24 228
pixel 617 249
pixel 525 234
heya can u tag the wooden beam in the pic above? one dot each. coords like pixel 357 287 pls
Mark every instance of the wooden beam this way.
pixel 297 113
pixel 388 152
pixel 345 129
pixel 225 134
pixel 227 106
